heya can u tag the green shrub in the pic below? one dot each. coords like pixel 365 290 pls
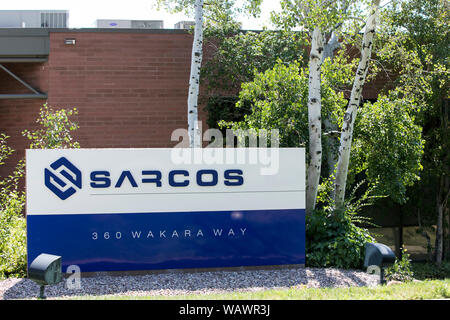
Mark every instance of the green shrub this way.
pixel 429 270
pixel 401 270
pixel 333 238
pixel 13 240
pixel 55 129
pixel 12 223
pixel 54 132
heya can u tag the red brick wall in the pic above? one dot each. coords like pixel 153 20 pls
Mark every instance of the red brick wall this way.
pixel 130 89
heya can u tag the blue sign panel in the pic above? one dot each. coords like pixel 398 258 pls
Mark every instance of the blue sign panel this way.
pixel 170 240
pixel 144 209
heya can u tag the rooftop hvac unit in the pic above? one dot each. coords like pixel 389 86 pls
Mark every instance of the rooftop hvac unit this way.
pixel 34 18
pixel 53 19
pixel 113 23
pixel 147 24
pixel 126 24
pixel 184 24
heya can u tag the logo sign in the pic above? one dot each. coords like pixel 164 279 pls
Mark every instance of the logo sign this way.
pixel 139 209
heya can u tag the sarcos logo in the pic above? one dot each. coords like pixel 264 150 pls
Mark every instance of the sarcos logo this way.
pixel 63 178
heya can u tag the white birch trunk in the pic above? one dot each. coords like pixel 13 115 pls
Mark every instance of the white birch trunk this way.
pixel 355 97
pixel 314 119
pixel 194 80
pixel 332 143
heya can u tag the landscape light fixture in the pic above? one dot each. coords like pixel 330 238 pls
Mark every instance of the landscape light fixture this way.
pixel 378 255
pixel 44 270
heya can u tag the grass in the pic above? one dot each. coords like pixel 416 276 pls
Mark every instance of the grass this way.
pixel 428 289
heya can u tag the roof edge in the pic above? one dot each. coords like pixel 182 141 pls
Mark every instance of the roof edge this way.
pixel 24 32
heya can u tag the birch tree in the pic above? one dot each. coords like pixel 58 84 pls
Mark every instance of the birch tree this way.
pixel 217 12
pixel 188 7
pixel 330 127
pixel 314 119
pixel 194 77
pixel 321 19
pixel 352 109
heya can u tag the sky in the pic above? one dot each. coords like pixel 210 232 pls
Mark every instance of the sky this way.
pixel 83 13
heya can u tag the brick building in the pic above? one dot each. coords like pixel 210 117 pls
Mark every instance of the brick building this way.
pixel 129 85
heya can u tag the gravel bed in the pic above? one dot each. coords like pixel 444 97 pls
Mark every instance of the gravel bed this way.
pixel 182 283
